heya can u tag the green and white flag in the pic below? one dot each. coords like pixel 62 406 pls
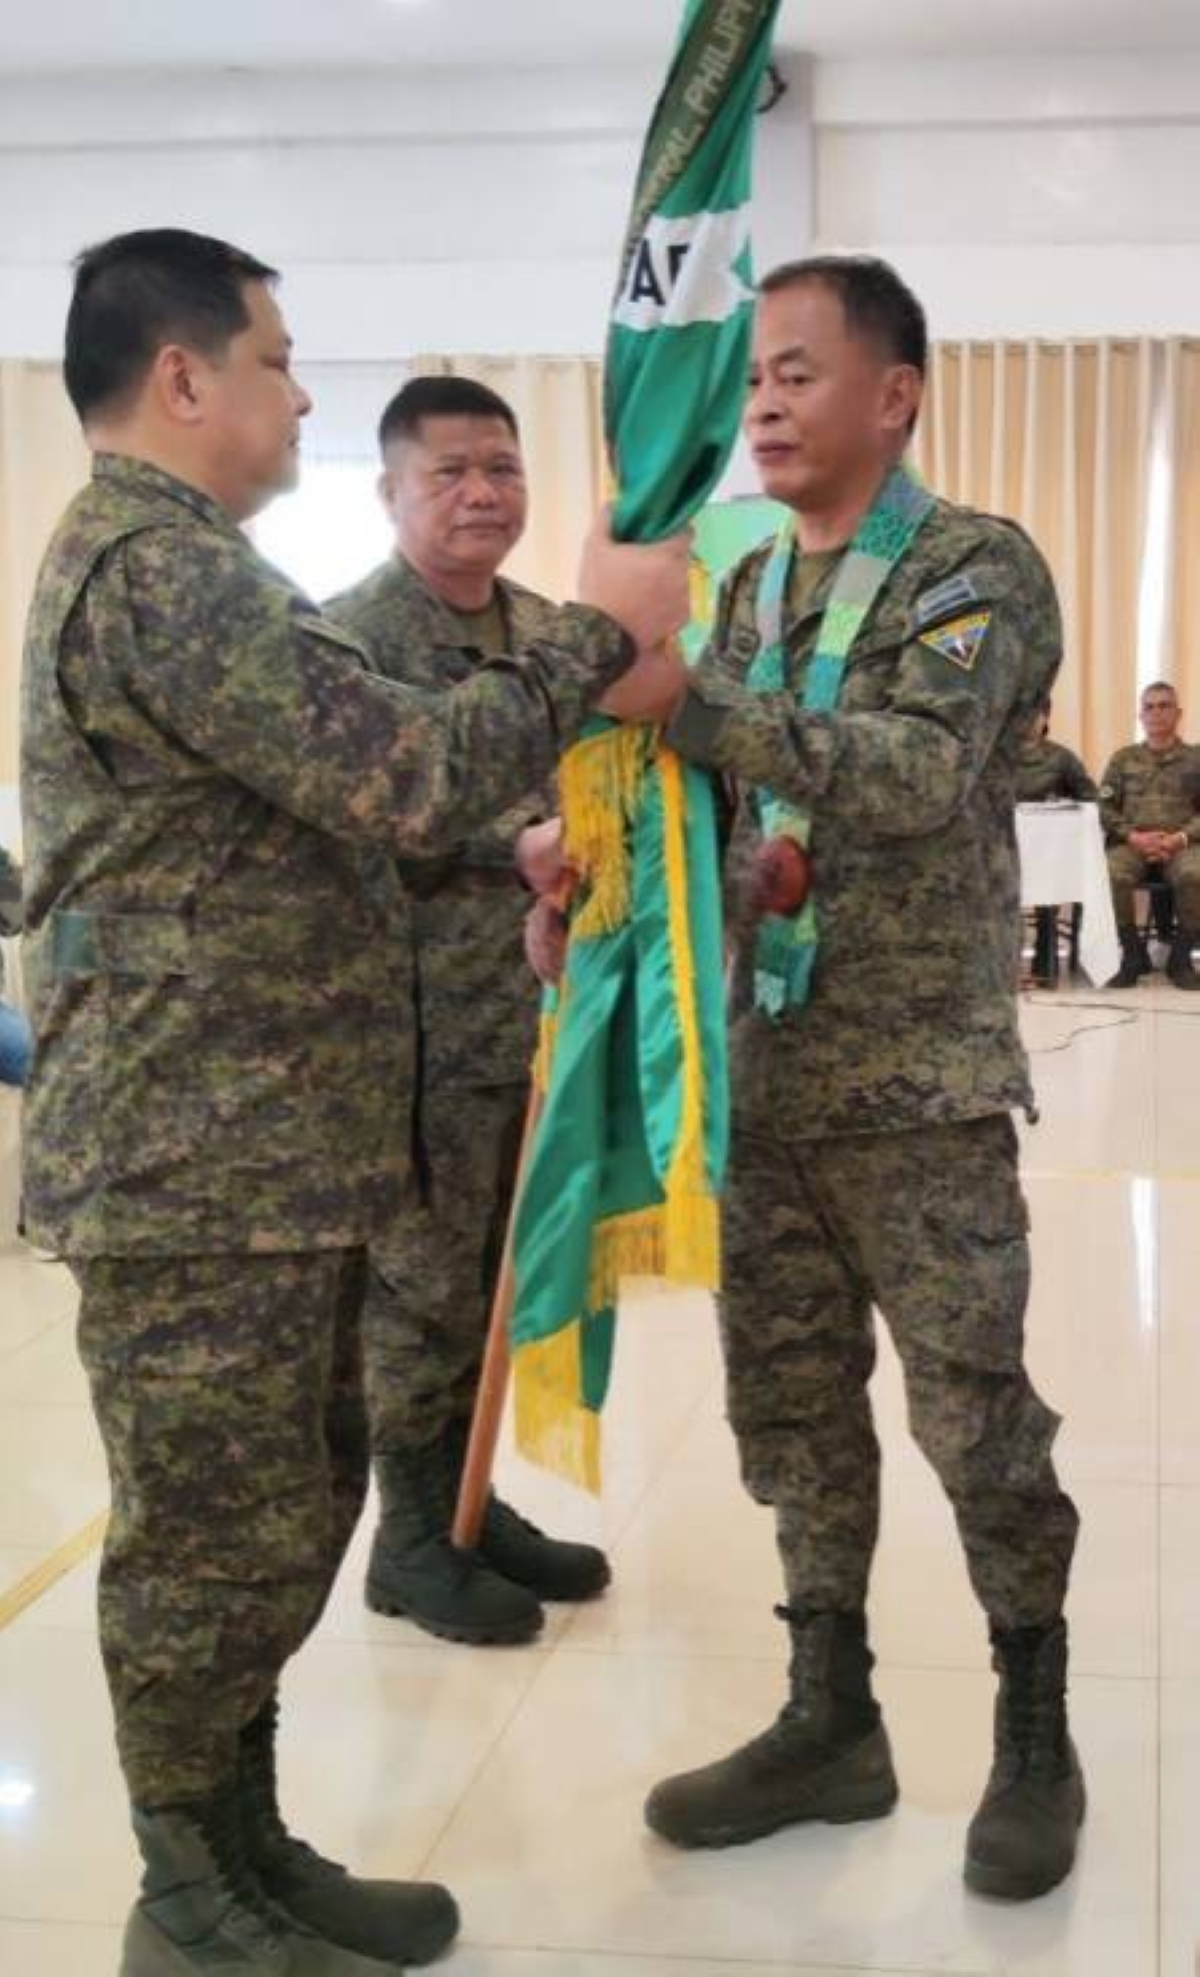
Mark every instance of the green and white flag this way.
pixel 626 1168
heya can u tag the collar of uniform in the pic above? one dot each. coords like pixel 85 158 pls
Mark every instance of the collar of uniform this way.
pixel 527 615
pixel 127 471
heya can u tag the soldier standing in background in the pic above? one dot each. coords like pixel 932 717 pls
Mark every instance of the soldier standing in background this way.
pixel 869 685
pixel 453 484
pixel 1150 809
pixel 215 1124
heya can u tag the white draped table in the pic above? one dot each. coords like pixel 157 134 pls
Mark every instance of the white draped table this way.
pixel 1063 863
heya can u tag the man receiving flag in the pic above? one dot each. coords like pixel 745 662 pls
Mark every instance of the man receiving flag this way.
pixel 869 684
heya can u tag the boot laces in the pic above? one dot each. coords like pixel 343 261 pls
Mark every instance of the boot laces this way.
pixel 251 1916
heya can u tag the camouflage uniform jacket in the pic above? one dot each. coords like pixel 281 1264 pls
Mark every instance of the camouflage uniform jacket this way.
pixel 477 1000
pixel 214 944
pixel 912 1012
pixel 1151 789
pixel 1045 770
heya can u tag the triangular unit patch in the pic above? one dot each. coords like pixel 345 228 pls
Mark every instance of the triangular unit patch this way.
pixel 960 640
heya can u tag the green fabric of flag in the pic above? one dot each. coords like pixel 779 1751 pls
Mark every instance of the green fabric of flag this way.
pixel 626 1167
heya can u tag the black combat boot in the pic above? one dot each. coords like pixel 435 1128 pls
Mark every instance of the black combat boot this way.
pixel 826 1756
pixel 1021 1842
pixel 550 1568
pixel 203 1909
pixel 1179 962
pixel 1135 962
pixel 401 1922
pixel 1045 946
pixel 415 1570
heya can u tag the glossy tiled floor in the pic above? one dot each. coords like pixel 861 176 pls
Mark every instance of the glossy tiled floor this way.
pixel 518 1775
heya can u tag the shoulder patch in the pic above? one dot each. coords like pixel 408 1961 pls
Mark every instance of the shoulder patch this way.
pixel 960 640
pixel 955 594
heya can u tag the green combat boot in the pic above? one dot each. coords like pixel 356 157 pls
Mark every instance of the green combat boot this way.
pixel 1021 1842
pixel 826 1756
pixel 202 1908
pixel 415 1571
pixel 400 1921
pixel 1135 962
pixel 1179 963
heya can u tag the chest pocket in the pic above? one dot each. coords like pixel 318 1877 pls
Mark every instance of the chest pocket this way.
pixel 867 686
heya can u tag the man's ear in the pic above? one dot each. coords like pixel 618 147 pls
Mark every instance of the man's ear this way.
pixel 900 397
pixel 176 381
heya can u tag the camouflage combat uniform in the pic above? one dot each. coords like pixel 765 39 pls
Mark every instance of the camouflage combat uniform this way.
pixel 1153 789
pixel 1045 770
pixel 433 1271
pixel 874 1162
pixel 215 788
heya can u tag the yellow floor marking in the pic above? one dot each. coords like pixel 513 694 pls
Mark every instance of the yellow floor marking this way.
pixel 51 1570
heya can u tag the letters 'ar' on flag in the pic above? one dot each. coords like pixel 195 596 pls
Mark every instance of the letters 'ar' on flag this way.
pixel 626 1167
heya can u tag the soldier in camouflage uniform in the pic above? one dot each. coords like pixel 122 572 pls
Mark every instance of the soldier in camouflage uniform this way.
pixel 215 790
pixel 1049 773
pixel 453 484
pixel 1150 809
pixel 874 1162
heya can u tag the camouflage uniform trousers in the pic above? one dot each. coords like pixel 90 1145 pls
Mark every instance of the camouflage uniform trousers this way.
pixel 433 1272
pixel 928 1225
pixel 228 1391
pixel 1127 868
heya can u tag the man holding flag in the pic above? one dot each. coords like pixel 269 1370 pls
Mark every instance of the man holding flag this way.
pixel 869 684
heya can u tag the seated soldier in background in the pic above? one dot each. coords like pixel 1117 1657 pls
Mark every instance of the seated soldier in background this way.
pixel 1150 809
pixel 16 1041
pixel 453 484
pixel 1049 773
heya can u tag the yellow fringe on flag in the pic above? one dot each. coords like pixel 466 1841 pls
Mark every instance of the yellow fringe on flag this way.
pixel 552 1425
pixel 547 1037
pixel 678 1240
pixel 687 1174
pixel 600 785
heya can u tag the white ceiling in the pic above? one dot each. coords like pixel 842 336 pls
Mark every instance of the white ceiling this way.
pixel 63 35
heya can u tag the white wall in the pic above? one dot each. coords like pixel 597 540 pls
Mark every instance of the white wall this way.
pixel 411 212
pixel 1054 198
pixel 439 212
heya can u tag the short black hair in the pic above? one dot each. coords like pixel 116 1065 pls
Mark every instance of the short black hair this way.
pixel 436 396
pixel 138 291
pixel 876 303
pixel 1159 686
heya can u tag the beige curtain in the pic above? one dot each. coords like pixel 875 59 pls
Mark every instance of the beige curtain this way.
pixel 557 404
pixel 43 461
pixel 1177 579
pixel 1061 437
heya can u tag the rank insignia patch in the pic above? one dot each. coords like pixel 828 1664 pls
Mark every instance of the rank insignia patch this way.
pixel 960 640
pixel 953 594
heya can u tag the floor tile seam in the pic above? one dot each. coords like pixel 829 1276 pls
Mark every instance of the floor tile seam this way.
pixel 537 1675
pixel 685 1961
pixel 58 1564
pixel 625 1524
pixel 647 1651
pixel 11 1352
pixel 103 1923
